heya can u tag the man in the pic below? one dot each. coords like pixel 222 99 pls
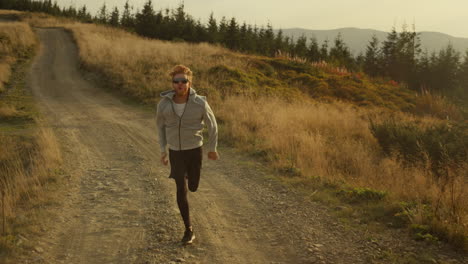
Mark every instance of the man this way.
pixel 180 117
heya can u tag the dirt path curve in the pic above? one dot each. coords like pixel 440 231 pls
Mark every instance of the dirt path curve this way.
pixel 120 206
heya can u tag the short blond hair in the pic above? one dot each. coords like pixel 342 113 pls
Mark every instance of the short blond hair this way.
pixel 181 69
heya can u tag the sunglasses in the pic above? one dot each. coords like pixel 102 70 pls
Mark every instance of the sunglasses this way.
pixel 180 80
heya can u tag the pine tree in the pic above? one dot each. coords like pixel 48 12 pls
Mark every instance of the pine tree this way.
pixel 279 42
pixel 47 6
pixel 127 20
pixel 389 53
pixel 145 21
pixel 268 40
pixel 359 61
pixel 212 30
pixel 179 25
pixel 340 53
pixel 83 15
pixel 251 39
pixel 446 69
pixel 407 52
pixel 324 51
pixel 462 78
pixel 463 73
pixel 243 38
pixel 55 9
pixel 414 52
pixel 102 16
pixel 70 12
pixel 313 51
pixel 424 71
pixel 189 31
pixel 180 15
pixel 6 4
pixel 300 49
pixel 201 32
pixel 114 17
pixel 261 45
pixel 232 35
pixel 223 25
pixel 160 26
pixel 372 57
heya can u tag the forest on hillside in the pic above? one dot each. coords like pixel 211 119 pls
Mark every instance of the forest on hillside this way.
pixel 398 58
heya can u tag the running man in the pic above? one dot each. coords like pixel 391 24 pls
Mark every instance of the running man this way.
pixel 180 118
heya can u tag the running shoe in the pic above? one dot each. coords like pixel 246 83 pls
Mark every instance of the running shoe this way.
pixel 188 237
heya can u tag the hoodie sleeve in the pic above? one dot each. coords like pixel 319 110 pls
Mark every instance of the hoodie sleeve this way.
pixel 210 122
pixel 161 125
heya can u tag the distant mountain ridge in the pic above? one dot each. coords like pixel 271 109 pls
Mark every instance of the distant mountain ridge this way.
pixel 357 39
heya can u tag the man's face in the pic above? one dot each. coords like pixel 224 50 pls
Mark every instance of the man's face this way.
pixel 181 84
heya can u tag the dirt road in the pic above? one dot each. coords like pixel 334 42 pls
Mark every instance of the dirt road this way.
pixel 120 207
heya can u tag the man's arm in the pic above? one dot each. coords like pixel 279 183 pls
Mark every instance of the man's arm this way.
pixel 210 121
pixel 161 126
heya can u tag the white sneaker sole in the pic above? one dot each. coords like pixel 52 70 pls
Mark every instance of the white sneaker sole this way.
pixel 190 241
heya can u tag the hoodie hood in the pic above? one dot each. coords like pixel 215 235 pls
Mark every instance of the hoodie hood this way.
pixel 170 93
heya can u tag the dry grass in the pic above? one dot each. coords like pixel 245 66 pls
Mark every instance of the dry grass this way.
pixel 8 111
pixel 142 70
pixel 28 154
pixel 43 20
pixel 25 165
pixel 5 71
pixel 437 106
pixel 16 40
pixel 10 12
pixel 331 142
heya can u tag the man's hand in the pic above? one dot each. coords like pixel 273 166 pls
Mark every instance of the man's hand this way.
pixel 164 159
pixel 213 155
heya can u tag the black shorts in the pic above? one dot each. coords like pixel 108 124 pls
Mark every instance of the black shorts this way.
pixel 186 163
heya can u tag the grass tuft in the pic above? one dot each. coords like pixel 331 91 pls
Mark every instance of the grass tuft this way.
pixel 356 195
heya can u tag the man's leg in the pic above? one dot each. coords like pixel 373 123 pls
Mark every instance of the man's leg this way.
pixel 194 168
pixel 178 171
pixel 182 201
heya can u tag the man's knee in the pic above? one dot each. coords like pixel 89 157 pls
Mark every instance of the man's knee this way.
pixel 193 187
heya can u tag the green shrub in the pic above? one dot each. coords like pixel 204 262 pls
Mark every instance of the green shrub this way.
pixel 361 195
pixel 422 232
pixel 283 64
pixel 306 79
pixel 222 70
pixel 263 67
pixel 400 139
pixel 441 146
pixel 232 81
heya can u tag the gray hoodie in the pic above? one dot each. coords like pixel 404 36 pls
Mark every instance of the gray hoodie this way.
pixel 185 132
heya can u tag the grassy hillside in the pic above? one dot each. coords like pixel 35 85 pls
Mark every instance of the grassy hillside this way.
pixel 326 130
pixel 29 153
pixel 141 71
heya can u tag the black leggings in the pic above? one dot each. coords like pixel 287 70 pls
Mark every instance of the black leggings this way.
pixel 185 167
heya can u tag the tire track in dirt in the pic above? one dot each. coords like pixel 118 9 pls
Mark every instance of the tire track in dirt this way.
pixel 120 206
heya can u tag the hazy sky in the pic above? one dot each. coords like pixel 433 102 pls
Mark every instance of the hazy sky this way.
pixel 449 16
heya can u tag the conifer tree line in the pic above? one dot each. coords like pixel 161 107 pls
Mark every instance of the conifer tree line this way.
pixel 399 57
